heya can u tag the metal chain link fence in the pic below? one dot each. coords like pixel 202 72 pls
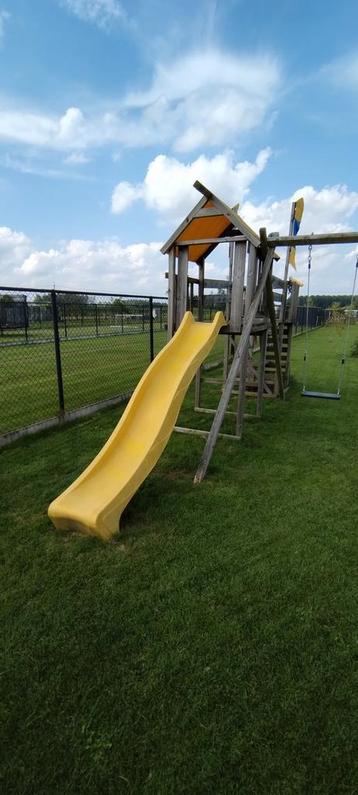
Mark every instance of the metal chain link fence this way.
pixel 65 353
pixel 61 351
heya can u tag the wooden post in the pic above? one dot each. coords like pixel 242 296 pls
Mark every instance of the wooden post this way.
pixel 182 284
pixel 250 287
pixel 241 397
pixel 201 266
pixel 237 289
pixel 228 340
pixel 274 334
pixel 235 367
pixel 287 265
pixel 251 273
pixel 191 296
pixel 261 373
pixel 171 293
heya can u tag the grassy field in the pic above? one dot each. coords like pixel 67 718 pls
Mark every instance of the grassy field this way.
pixel 211 648
pixel 93 369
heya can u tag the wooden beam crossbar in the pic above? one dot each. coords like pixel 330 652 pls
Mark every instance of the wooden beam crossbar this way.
pixel 314 240
pixel 199 241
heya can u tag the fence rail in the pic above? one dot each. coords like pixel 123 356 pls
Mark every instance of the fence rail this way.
pixel 66 353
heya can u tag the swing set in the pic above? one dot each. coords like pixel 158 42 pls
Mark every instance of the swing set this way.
pixel 326 395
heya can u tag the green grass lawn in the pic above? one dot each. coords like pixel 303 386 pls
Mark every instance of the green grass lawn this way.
pixel 93 369
pixel 210 649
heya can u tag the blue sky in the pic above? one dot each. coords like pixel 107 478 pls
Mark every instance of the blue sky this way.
pixel 110 110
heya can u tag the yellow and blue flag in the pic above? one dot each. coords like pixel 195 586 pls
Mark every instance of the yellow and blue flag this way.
pixel 298 208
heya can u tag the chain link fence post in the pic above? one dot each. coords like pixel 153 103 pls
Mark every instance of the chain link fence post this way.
pixel 56 337
pixel 151 330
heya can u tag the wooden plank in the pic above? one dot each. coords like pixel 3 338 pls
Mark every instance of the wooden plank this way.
pixel 250 289
pixel 171 293
pixel 234 370
pixel 227 343
pixel 191 295
pixel 217 283
pixel 201 267
pixel 208 212
pixel 208 283
pixel 203 240
pixel 314 240
pixel 242 390
pixel 182 284
pixel 199 432
pixel 251 274
pixel 237 288
pixel 230 413
pixel 240 411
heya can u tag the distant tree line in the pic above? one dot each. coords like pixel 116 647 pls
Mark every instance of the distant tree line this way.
pixel 328 301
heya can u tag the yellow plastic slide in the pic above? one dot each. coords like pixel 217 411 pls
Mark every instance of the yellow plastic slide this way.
pixel 95 501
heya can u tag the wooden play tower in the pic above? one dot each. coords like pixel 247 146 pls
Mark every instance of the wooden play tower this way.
pixel 260 309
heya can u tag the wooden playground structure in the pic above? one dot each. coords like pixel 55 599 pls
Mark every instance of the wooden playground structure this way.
pixel 260 307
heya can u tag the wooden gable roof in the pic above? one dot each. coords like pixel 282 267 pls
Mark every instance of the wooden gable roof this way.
pixel 210 218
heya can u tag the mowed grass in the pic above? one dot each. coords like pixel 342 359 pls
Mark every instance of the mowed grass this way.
pixel 93 369
pixel 211 648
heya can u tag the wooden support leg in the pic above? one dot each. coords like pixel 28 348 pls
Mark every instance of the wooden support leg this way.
pixel 197 397
pixel 234 370
pixel 275 341
pixel 241 399
pixel 261 373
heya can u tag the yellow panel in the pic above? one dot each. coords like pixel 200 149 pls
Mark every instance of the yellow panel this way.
pixel 95 501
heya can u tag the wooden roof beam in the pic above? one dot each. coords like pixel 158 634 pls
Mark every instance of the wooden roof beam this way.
pixel 273 241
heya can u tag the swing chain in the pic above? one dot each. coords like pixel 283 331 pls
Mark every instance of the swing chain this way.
pixel 309 256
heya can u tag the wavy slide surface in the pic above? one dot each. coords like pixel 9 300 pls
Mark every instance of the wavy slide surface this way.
pixel 96 499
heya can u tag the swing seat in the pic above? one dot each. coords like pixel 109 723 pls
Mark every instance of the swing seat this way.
pixel 324 395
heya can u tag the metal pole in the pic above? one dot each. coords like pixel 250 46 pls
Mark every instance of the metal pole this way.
pixel 96 318
pixel 65 319
pixel 26 318
pixel 56 337
pixel 151 329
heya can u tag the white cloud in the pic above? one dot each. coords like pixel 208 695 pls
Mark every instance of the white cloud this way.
pixel 326 210
pixel 168 189
pixel 69 131
pixel 14 248
pixel 343 72
pixel 331 209
pixel 100 12
pixel 203 99
pixel 89 264
pixel 4 16
pixel 206 98
pixel 124 195
pixel 110 266
pixel 29 164
pixel 77 159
